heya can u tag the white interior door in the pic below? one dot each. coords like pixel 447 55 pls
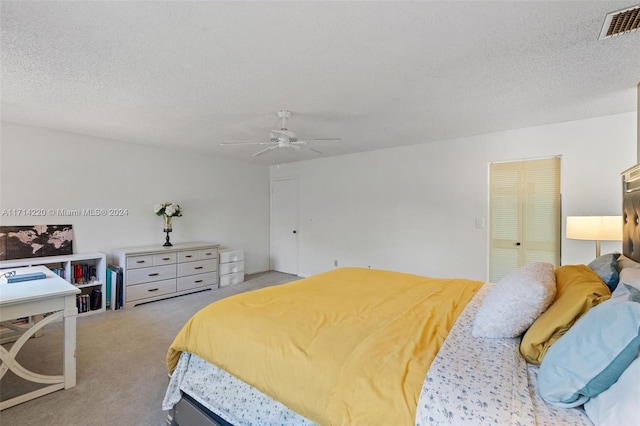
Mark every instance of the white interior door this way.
pixel 284 225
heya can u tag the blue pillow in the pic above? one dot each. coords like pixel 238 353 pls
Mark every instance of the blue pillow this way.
pixel 606 266
pixel 592 354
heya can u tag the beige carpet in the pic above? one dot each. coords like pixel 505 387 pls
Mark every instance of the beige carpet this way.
pixel 121 372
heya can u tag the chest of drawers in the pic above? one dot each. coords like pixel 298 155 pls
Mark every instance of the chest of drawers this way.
pixel 154 273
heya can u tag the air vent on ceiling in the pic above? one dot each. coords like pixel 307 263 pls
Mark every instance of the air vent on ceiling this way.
pixel 620 22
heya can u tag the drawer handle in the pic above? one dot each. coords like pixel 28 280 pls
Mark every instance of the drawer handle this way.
pixel 187 256
pixel 140 261
pixel 153 289
pixel 197 281
pixel 166 258
pixel 154 274
pixel 198 267
pixel 208 254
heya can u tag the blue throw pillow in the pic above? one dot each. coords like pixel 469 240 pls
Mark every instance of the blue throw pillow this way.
pixel 592 355
pixel 606 266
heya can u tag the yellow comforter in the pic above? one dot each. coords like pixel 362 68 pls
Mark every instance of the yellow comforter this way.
pixel 346 347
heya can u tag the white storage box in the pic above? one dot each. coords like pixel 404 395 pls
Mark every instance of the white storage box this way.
pixel 231 255
pixel 229 279
pixel 231 267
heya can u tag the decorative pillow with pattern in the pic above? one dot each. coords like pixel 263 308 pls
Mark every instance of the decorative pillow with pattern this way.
pixel 515 302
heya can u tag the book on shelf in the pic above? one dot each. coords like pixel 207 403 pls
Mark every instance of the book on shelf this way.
pixel 107 288
pixel 83 303
pixel 117 291
pixel 59 272
pixel 89 302
pixel 58 269
pixel 96 299
pixel 113 293
pixel 120 289
pixel 83 273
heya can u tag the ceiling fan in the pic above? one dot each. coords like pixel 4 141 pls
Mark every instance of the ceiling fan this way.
pixel 284 138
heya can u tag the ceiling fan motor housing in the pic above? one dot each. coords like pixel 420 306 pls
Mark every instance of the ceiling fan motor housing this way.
pixel 283 113
pixel 284 135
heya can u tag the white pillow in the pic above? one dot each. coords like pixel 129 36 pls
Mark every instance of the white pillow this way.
pixel 617 405
pixel 516 302
pixel 620 293
pixel 631 276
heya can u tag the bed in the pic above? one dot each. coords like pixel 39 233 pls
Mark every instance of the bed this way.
pixel 356 346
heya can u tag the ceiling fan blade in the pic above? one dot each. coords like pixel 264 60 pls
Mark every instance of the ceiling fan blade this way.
pixel 305 141
pixel 246 143
pixel 265 150
pixel 315 150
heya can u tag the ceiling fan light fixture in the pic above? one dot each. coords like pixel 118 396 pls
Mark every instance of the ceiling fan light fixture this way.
pixel 620 22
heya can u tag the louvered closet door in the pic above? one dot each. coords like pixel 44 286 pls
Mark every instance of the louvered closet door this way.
pixel 524 215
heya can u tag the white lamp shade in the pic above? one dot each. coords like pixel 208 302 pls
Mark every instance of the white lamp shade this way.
pixel 595 228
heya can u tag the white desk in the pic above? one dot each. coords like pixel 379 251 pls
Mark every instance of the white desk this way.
pixel 30 298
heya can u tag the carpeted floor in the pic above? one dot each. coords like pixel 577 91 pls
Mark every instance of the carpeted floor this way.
pixel 121 371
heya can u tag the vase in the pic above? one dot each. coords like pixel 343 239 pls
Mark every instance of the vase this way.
pixel 167 229
pixel 167 223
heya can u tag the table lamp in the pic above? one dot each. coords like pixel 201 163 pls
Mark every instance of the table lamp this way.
pixel 595 228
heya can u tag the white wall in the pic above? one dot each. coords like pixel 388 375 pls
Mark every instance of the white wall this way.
pixel 413 208
pixel 224 202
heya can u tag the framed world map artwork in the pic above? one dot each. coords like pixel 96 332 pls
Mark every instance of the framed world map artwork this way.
pixel 19 242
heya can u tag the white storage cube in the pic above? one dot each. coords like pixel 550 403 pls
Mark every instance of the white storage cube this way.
pixel 231 267
pixel 231 255
pixel 230 279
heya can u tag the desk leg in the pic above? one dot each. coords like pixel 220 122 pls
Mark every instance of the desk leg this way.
pixel 67 380
pixel 37 318
pixel 69 352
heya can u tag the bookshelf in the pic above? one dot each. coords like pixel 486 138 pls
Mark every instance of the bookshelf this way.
pixel 87 271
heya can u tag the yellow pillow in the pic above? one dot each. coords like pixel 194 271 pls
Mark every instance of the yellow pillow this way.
pixel 578 289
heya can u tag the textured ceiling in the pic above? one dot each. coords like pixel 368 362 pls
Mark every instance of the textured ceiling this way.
pixel 191 75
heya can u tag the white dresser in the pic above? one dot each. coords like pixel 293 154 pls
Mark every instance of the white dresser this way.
pixel 156 272
pixel 231 266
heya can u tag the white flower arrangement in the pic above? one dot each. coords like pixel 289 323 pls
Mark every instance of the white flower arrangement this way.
pixel 168 210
